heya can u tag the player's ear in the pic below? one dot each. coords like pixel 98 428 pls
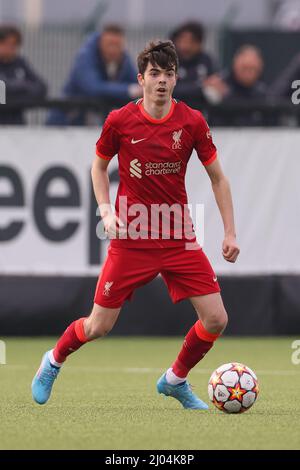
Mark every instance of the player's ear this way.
pixel 140 78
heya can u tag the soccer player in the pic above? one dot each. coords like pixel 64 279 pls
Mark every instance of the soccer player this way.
pixel 154 138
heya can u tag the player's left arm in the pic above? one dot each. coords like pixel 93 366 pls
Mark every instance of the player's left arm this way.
pixel 222 192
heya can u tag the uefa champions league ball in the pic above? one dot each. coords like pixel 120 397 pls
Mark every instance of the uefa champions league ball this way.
pixel 233 387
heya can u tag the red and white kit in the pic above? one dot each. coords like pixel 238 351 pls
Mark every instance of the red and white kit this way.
pixel 153 155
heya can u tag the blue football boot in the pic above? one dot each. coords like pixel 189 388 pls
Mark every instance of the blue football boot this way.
pixel 182 392
pixel 43 380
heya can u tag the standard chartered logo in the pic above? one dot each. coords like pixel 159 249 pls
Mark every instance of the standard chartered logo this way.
pixel 154 168
pixel 135 169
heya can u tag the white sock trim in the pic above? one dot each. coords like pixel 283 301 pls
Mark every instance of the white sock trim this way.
pixel 172 378
pixel 52 360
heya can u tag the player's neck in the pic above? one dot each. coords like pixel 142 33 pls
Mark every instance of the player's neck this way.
pixel 155 110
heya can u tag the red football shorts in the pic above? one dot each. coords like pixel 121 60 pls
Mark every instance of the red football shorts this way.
pixel 186 273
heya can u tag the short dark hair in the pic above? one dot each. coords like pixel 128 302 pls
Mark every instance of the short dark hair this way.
pixel 8 30
pixel 194 27
pixel 161 53
pixel 113 28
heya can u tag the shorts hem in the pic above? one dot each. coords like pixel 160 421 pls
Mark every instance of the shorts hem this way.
pixel 192 294
pixel 108 306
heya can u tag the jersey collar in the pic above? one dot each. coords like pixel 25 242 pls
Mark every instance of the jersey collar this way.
pixel 150 118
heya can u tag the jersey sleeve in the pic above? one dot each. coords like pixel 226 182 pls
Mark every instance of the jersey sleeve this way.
pixel 204 145
pixel 109 142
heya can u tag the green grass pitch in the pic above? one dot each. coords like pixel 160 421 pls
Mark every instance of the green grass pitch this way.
pixel 105 398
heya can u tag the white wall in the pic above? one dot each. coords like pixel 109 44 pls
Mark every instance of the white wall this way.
pixel 263 167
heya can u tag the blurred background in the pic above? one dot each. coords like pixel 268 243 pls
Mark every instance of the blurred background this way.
pixel 65 65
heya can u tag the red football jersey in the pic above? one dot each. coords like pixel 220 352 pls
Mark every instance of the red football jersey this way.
pixel 153 155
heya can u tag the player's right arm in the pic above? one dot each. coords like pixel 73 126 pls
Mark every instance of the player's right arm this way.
pixel 112 224
pixel 106 147
pixel 100 181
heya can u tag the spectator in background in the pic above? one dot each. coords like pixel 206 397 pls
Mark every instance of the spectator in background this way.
pixel 197 73
pixel 102 69
pixel 243 79
pixel 21 82
pixel 243 83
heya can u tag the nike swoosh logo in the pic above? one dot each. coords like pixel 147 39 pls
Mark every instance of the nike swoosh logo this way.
pixel 215 279
pixel 136 141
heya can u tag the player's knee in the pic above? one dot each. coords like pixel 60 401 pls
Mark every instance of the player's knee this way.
pixel 95 330
pixel 100 332
pixel 218 322
pixel 223 321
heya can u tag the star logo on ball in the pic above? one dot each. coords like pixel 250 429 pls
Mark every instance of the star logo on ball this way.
pixel 236 393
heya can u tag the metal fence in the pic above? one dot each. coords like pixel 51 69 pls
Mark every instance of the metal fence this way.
pixel 51 50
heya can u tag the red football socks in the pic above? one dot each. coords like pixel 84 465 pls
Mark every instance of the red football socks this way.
pixel 197 343
pixel 71 340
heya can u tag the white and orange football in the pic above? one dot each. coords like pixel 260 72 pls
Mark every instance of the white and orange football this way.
pixel 233 387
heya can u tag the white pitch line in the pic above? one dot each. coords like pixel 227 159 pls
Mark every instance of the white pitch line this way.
pixel 150 370
pixel 144 370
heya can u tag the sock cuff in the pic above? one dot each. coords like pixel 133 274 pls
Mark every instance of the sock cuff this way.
pixel 203 334
pixel 55 358
pixel 179 369
pixel 79 330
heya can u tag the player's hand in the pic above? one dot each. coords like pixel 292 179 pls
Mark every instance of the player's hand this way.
pixel 230 249
pixel 113 226
pixel 214 88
